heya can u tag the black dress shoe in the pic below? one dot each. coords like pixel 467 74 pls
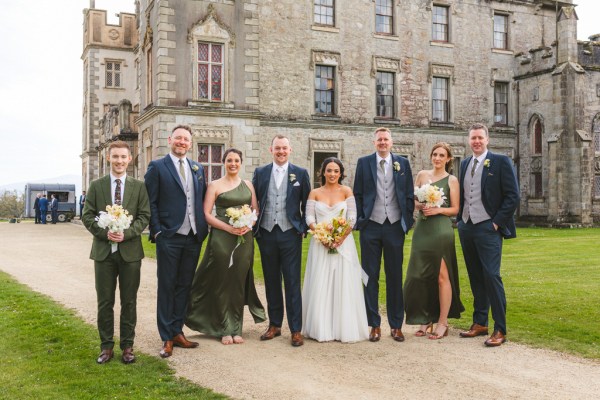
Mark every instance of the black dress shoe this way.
pixel 128 357
pixel 105 356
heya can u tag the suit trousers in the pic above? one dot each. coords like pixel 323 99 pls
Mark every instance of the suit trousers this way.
pixel 177 259
pixel 281 255
pixel 482 249
pixel 388 239
pixel 128 274
pixel 44 214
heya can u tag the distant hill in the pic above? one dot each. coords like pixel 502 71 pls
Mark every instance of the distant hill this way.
pixel 20 186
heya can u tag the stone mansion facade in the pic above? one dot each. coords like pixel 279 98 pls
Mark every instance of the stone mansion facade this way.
pixel 327 73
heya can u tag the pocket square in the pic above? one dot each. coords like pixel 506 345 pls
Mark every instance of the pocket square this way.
pixel 297 184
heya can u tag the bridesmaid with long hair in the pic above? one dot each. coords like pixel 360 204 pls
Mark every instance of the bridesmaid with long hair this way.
pixel 431 289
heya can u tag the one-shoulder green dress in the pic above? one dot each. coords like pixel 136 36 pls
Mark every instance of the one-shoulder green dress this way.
pixel 433 240
pixel 219 292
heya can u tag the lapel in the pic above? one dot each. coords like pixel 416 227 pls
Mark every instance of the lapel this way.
pixel 266 178
pixel 193 176
pixel 396 174
pixel 107 197
pixel 175 174
pixel 129 192
pixel 463 170
pixel 291 170
pixel 373 166
pixel 485 170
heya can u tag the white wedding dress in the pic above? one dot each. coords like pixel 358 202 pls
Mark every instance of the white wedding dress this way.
pixel 333 304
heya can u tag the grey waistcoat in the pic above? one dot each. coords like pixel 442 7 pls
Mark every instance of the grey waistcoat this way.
pixel 189 221
pixel 386 201
pixel 274 211
pixel 473 207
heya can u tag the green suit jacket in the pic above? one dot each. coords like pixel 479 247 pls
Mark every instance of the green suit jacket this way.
pixel 135 201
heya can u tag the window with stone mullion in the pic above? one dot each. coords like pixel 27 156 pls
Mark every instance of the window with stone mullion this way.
pixel 324 12
pixel 385 94
pixel 324 89
pixel 113 74
pixel 384 17
pixel 439 27
pixel 501 103
pixel 440 100
pixel 210 71
pixel 500 31
pixel 209 156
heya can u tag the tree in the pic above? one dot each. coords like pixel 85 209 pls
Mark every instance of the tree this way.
pixel 12 204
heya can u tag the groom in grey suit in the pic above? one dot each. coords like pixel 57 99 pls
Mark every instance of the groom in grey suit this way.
pixel 489 196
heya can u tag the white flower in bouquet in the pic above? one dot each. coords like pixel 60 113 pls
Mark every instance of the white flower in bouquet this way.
pixel 115 218
pixel 240 217
pixel 430 195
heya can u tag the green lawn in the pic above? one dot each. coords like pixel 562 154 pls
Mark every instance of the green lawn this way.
pixel 49 353
pixel 552 283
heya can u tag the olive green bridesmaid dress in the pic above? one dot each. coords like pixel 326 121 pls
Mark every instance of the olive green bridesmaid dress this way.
pixel 433 240
pixel 219 292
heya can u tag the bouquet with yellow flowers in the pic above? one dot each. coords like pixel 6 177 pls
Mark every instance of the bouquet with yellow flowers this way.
pixel 430 195
pixel 332 232
pixel 240 217
pixel 115 218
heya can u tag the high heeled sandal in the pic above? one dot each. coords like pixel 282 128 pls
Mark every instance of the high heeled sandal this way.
pixel 436 336
pixel 428 329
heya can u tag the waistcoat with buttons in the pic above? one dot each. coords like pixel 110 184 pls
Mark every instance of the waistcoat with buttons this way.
pixel 189 221
pixel 386 201
pixel 274 212
pixel 473 206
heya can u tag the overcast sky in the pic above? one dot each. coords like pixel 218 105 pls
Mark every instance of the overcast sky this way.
pixel 41 83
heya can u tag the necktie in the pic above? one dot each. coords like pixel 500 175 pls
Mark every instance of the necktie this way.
pixel 118 192
pixel 475 161
pixel 382 165
pixel 182 171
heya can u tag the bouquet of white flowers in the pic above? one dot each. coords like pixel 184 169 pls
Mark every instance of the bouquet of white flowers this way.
pixel 240 217
pixel 430 195
pixel 115 218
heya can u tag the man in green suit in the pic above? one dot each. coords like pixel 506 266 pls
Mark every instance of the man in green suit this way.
pixel 117 255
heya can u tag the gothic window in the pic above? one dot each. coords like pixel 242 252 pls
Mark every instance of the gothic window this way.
pixel 537 185
pixel 113 74
pixel 210 71
pixel 597 134
pixel 385 94
pixel 500 31
pixel 209 156
pixel 501 103
pixel 596 144
pixel 440 101
pixel 384 17
pixel 537 137
pixel 324 89
pixel 324 12
pixel 439 28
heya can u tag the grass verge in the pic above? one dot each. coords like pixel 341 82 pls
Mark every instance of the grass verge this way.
pixel 49 353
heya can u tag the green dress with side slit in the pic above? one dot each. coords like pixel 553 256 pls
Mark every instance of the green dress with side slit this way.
pixel 432 242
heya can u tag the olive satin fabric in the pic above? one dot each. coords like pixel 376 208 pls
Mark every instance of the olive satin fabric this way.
pixel 219 292
pixel 433 240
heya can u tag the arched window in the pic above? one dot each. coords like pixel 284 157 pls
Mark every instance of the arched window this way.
pixel 596 146
pixel 536 164
pixel 537 137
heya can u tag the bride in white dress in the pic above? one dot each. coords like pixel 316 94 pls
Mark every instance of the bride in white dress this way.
pixel 333 305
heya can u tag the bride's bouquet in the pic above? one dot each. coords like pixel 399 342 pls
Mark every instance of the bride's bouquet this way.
pixel 240 217
pixel 330 233
pixel 430 195
pixel 115 218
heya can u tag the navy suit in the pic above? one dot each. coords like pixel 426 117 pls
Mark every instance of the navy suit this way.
pixel 54 210
pixel 177 255
pixel 482 244
pixel 81 204
pixel 36 208
pixel 385 238
pixel 43 208
pixel 281 252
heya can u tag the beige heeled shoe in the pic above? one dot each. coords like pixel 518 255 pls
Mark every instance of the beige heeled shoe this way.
pixel 437 334
pixel 423 332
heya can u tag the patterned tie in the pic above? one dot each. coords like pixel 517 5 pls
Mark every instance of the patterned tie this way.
pixel 475 162
pixel 382 165
pixel 118 192
pixel 182 171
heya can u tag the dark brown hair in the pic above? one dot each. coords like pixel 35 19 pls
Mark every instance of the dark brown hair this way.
pixel 327 161
pixel 445 146
pixel 232 150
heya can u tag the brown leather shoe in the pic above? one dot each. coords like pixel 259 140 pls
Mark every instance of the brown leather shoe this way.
pixel 375 334
pixel 181 341
pixel 475 330
pixel 128 357
pixel 167 349
pixel 105 356
pixel 496 339
pixel 297 339
pixel 397 335
pixel 271 332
